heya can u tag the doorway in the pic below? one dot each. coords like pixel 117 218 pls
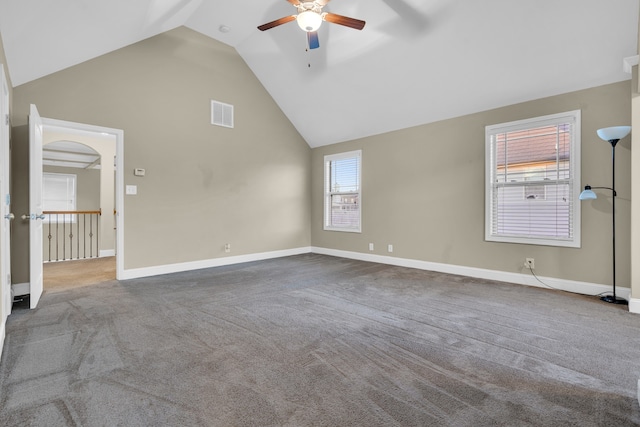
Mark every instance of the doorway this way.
pixel 78 205
pixel 87 149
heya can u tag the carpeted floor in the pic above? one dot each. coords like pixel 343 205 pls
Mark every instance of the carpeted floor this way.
pixel 313 340
pixel 77 273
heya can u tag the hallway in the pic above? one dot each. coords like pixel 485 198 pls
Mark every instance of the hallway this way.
pixel 74 274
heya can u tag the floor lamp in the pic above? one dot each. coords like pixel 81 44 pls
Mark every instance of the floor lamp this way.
pixel 612 135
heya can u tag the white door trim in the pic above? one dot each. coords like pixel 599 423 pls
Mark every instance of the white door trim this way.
pixel 119 193
pixel 5 209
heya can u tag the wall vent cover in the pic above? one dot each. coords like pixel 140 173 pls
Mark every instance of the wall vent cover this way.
pixel 221 114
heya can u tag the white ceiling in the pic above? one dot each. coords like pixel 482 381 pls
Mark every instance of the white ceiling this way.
pixel 70 154
pixel 415 62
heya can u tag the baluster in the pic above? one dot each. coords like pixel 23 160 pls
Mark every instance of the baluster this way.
pixel 78 239
pixel 98 234
pixel 49 237
pixel 71 236
pixel 57 236
pixel 84 234
pixel 90 236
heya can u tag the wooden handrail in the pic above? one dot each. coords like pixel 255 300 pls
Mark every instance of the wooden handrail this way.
pixel 72 212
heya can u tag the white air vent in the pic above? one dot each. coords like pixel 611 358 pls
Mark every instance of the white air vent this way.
pixel 221 114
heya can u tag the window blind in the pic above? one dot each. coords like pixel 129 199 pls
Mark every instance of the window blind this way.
pixel 59 193
pixel 342 191
pixel 532 179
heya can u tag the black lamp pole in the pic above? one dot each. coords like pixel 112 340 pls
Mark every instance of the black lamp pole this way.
pixel 612 135
pixel 613 298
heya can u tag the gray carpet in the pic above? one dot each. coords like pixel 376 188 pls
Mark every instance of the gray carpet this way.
pixel 313 340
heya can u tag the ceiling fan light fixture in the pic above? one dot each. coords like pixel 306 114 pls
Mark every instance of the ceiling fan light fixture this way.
pixel 309 20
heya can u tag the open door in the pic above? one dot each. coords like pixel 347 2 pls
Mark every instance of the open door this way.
pixel 36 129
pixel 5 201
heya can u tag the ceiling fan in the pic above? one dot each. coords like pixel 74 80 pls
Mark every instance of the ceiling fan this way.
pixel 310 17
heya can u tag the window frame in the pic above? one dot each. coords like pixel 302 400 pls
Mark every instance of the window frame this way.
pixel 328 159
pixel 573 180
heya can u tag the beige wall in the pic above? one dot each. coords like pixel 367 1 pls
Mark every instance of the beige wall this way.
pixel 205 185
pixel 423 192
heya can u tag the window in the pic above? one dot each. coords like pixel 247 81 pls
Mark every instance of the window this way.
pixel 342 191
pixel 59 194
pixel 532 181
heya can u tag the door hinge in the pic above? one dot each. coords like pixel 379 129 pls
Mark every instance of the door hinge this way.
pixel 6 119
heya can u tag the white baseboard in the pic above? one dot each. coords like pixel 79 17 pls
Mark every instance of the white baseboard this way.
pixel 208 263
pixel 585 288
pixel 106 252
pixel 21 289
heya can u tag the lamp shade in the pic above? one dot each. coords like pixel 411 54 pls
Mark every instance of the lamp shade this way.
pixel 615 132
pixel 309 20
pixel 588 194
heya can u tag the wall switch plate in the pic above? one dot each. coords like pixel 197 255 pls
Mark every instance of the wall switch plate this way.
pixel 227 247
pixel 390 248
pixel 131 190
pixel 139 172
pixel 370 246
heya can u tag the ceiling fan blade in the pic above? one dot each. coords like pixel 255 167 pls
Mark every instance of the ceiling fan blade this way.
pixel 277 22
pixel 322 2
pixel 344 20
pixel 294 2
pixel 312 39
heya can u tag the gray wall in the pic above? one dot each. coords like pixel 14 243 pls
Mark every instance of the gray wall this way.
pixel 205 185
pixel 423 192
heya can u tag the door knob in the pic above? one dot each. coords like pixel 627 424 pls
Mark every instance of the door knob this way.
pixel 9 216
pixel 33 216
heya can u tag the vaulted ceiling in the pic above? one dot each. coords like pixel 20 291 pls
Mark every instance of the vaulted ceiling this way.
pixel 415 62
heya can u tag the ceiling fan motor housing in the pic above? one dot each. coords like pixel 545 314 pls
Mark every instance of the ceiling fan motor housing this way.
pixel 309 5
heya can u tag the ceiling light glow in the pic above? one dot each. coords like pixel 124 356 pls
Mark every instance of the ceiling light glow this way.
pixel 309 20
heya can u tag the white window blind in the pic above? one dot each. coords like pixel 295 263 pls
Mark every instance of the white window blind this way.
pixel 533 181
pixel 342 192
pixel 59 194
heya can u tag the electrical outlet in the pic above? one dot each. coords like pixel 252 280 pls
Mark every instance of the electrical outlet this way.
pixel 390 248
pixel 530 263
pixel 227 247
pixel 370 246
